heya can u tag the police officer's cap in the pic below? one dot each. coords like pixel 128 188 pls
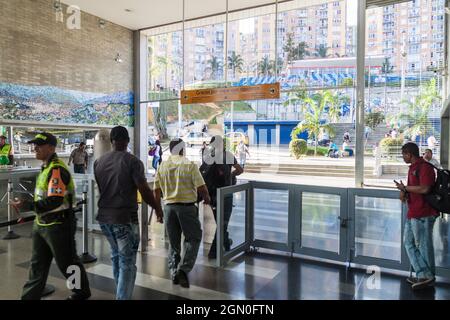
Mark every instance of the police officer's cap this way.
pixel 44 138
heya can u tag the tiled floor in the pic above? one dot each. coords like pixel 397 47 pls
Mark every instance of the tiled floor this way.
pixel 253 276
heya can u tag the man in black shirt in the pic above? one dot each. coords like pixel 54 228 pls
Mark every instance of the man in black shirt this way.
pixel 119 176
pixel 219 169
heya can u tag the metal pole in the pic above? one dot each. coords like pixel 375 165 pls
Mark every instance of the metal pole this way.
pixel 403 53
pixel 226 45
pixel 360 81
pixel 180 111
pixel 232 110
pixel 276 40
pixel 11 234
pixel 86 257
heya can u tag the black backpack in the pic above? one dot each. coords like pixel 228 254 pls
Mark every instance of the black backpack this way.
pixel 216 176
pixel 439 195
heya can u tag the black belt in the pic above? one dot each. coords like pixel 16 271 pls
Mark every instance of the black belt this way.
pixel 181 204
pixel 58 216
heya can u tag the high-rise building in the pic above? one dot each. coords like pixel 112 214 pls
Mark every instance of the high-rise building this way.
pixel 410 33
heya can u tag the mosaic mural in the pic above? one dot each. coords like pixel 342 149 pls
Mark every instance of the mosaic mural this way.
pixel 44 103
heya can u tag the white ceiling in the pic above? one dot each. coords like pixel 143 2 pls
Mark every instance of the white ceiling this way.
pixel 148 13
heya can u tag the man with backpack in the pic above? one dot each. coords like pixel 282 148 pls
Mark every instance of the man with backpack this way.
pixel 418 233
pixel 217 171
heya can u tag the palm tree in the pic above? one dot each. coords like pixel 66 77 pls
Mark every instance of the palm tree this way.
pixel 313 108
pixel 235 62
pixel 265 66
pixel 321 51
pixel 214 65
pixel 416 119
pixel 334 106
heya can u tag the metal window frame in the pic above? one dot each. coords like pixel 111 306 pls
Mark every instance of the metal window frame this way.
pixel 346 254
pixel 403 264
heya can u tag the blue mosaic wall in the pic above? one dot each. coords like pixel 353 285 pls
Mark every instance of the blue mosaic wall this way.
pixel 52 104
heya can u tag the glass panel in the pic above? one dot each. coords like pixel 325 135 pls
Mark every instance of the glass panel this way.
pixel 441 242
pixel 320 224
pixel 235 210
pixel 271 215
pixel 378 228
pixel 405 41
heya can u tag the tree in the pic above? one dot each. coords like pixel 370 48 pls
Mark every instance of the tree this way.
pixel 313 108
pixel 214 66
pixel 289 48
pixel 301 51
pixel 274 66
pixel 334 106
pixel 321 51
pixel 293 51
pixel 416 120
pixel 265 66
pixel 235 62
pixel 374 119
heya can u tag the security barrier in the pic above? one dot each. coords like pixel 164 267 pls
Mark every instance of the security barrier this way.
pixel 348 226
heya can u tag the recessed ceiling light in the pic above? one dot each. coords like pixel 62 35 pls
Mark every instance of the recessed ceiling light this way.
pixel 128 10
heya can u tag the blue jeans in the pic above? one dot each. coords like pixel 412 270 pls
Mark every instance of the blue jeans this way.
pixel 418 240
pixel 155 162
pixel 124 240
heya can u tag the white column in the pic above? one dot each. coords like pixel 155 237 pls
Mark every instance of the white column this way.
pixel 360 87
pixel 141 122
pixel 251 134
pixel 277 134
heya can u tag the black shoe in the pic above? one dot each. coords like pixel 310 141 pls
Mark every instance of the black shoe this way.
pixel 228 244
pixel 175 279
pixel 79 296
pixel 183 278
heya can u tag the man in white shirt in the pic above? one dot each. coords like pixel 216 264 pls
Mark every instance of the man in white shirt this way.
pixel 428 156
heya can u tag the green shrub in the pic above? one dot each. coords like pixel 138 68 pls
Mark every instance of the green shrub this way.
pixel 213 120
pixel 321 151
pixel 298 147
pixel 391 146
pixel 389 142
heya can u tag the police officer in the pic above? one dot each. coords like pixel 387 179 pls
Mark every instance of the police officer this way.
pixel 53 232
pixel 6 151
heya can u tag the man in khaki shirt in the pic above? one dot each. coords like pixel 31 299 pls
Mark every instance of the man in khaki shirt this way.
pixel 79 157
pixel 179 181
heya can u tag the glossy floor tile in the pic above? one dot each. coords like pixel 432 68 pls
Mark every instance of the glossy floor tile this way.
pixel 252 276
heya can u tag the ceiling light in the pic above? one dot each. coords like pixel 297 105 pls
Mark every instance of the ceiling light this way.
pixel 101 23
pixel 118 59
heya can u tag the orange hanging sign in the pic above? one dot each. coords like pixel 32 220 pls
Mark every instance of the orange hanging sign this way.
pixel 259 92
